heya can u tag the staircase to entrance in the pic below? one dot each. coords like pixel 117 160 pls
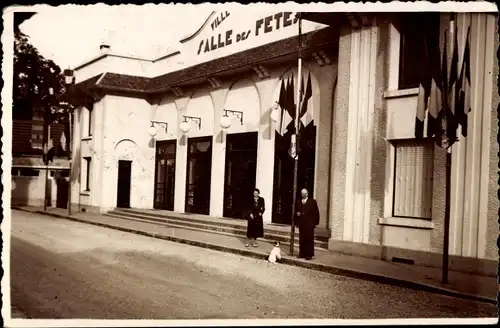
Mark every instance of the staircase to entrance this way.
pixel 224 226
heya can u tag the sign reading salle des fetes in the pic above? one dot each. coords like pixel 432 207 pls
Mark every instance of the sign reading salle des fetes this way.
pixel 220 38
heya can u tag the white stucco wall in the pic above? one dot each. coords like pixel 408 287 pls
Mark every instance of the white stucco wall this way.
pixel 125 137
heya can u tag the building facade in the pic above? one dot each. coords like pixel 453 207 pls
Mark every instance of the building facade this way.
pixel 148 133
pixel 28 167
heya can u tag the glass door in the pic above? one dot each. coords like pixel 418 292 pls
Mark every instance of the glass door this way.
pixel 199 173
pixel 165 175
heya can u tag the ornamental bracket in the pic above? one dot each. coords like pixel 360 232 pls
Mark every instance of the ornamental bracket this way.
pixel 178 91
pixel 214 82
pixel 261 71
pixel 318 59
pixel 325 57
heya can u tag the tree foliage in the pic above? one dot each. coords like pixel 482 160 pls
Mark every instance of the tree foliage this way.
pixel 34 75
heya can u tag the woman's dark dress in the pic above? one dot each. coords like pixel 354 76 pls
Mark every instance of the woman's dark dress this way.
pixel 255 227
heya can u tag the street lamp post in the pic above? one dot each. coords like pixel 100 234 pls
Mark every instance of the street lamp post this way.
pixel 46 150
pixel 69 80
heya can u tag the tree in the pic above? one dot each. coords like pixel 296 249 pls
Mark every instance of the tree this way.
pixel 34 75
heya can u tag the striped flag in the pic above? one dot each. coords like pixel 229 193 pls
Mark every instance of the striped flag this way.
pixel 445 90
pixel 451 128
pixel 463 102
pixel 429 97
pixel 285 117
pixel 435 95
pixel 304 118
pixel 290 104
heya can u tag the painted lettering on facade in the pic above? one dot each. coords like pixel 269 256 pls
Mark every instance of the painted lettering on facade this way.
pixel 264 25
pixel 219 19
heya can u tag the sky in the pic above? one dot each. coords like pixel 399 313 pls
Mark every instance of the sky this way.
pixel 72 34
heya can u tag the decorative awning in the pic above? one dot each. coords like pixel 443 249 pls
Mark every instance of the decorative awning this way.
pixel 327 18
pixel 336 19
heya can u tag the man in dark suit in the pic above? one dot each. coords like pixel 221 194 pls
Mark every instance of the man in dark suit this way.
pixel 307 217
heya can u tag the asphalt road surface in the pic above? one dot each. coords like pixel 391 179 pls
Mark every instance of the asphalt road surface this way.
pixel 63 269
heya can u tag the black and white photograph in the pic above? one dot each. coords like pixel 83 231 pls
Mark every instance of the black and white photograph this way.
pixel 212 163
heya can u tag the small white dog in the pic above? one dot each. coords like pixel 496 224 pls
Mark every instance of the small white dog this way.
pixel 275 253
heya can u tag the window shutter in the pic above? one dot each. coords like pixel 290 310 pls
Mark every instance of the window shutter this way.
pixel 413 179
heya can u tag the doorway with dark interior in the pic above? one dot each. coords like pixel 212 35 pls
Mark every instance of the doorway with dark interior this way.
pixel 62 181
pixel 284 169
pixel 124 183
pixel 165 175
pixel 240 172
pixel 199 174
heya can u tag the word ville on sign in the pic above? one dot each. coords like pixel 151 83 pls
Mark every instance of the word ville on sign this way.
pixel 264 25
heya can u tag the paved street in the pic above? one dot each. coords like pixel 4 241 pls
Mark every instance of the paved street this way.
pixel 63 269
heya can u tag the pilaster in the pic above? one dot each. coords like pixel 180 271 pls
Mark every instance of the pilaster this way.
pixel 339 137
pixel 180 160
pixel 364 42
pixel 218 154
pixel 76 157
pixel 327 75
pixel 265 145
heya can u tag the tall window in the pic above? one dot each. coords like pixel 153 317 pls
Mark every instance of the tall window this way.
pixel 417 31
pixel 413 179
pixel 87 173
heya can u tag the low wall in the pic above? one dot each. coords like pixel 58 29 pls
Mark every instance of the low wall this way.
pixel 29 191
pixel 420 258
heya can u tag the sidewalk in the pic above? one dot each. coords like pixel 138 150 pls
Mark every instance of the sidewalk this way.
pixel 468 286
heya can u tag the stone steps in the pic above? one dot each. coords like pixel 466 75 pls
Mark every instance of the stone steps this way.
pixel 218 226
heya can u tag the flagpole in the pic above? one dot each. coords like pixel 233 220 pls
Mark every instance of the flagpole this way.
pixel 46 151
pixel 69 172
pixel 295 139
pixel 446 238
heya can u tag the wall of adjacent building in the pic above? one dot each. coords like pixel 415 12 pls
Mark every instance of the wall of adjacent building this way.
pixel 371 113
pixel 30 191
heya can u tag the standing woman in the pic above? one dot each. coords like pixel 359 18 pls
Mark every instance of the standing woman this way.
pixel 255 227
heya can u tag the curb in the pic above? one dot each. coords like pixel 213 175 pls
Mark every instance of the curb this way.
pixel 285 260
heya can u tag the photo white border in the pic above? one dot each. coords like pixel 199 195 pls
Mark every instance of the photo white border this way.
pixel 6 121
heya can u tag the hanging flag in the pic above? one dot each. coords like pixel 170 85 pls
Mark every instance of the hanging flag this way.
pixel 442 110
pixel 429 97
pixel 281 104
pixel 290 104
pixel 426 78
pixel 463 103
pixel 453 80
pixel 285 117
pixel 303 117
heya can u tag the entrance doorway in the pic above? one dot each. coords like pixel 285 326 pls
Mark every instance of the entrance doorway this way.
pixel 284 169
pixel 199 171
pixel 124 182
pixel 165 175
pixel 241 168
pixel 62 193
